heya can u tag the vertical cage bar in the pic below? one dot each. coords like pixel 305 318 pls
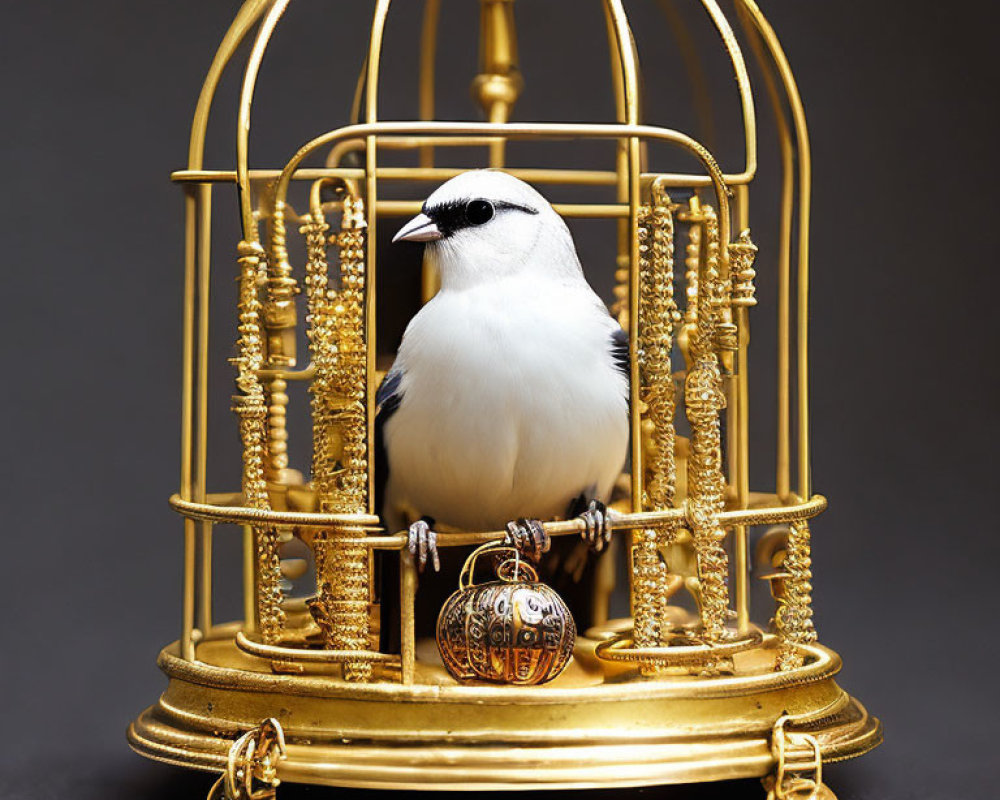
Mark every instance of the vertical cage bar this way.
pixel 245 19
pixel 802 277
pixel 187 422
pixel 188 631
pixel 204 249
pixel 783 478
pixel 623 280
pixel 787 155
pixel 250 402
pixel 250 232
pixel 742 438
pixel 429 279
pixel 407 595
pixel 428 70
pixel 621 154
pixel 249 582
pixel 628 107
pixel 743 84
pixel 633 322
pixel 371 200
pixel 802 337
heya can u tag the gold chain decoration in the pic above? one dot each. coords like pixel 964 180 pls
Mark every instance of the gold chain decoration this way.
pixel 793 617
pixel 351 376
pixel 251 767
pixel 340 430
pixel 251 410
pixel 798 771
pixel 321 330
pixel 704 400
pixel 658 315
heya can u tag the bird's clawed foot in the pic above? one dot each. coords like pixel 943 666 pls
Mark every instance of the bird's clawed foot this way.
pixel 529 537
pixel 597 518
pixel 422 544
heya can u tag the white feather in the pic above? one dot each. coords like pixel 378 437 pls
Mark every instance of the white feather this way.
pixel 511 402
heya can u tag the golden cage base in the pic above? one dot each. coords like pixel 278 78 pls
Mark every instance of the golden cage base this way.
pixel 596 725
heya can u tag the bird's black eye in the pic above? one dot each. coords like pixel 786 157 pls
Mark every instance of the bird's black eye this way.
pixel 479 212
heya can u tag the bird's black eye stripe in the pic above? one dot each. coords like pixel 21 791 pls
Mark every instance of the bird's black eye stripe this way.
pixel 479 212
pixel 457 214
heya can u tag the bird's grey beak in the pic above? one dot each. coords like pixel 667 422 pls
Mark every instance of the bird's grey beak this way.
pixel 419 229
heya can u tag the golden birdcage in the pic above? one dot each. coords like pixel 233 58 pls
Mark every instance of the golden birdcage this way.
pixel 687 688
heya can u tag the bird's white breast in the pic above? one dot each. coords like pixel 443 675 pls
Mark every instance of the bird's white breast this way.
pixel 511 404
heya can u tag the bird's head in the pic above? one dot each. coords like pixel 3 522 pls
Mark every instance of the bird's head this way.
pixel 486 225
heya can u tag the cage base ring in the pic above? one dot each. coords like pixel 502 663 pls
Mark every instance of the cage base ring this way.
pixel 589 728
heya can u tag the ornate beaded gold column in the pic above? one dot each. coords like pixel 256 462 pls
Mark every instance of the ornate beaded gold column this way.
pixel 658 315
pixel 692 258
pixel 742 254
pixel 793 617
pixel 704 400
pixel 251 410
pixel 279 323
pixel 336 337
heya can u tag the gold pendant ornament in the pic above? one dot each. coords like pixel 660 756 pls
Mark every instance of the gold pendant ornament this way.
pixel 511 630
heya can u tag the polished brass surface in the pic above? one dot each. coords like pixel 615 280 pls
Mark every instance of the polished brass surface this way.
pixel 667 695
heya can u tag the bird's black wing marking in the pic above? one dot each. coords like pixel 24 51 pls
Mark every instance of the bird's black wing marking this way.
pixel 619 352
pixel 388 395
pixel 387 400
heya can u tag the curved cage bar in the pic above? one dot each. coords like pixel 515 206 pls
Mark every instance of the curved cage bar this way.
pixel 693 684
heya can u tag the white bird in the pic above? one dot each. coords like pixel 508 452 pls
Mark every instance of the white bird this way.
pixel 508 399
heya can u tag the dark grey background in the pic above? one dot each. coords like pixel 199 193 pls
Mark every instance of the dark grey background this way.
pixel 97 98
